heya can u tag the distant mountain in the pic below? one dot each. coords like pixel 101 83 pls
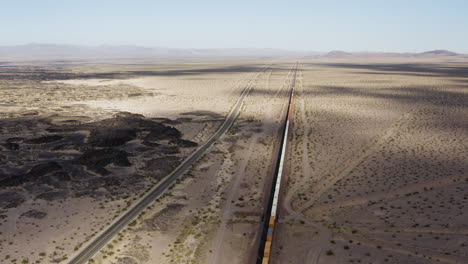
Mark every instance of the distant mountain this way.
pixel 31 52
pixel 252 52
pixel 438 53
pixel 69 52
pixel 433 53
pixel 337 54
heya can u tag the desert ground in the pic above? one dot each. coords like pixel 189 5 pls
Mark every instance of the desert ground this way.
pixel 81 142
pixel 378 164
pixel 376 168
pixel 214 214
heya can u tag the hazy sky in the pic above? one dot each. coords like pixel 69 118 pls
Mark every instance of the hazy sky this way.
pixel 375 25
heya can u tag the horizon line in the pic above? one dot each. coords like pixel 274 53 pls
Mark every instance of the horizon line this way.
pixel 225 48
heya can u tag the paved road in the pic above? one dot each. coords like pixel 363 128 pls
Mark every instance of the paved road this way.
pixel 93 246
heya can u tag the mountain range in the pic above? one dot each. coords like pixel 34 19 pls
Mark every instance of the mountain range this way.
pixel 31 52
pixel 70 52
pixel 432 53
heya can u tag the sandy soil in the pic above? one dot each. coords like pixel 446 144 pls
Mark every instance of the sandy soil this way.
pixel 378 164
pixel 75 152
pixel 376 171
pixel 214 214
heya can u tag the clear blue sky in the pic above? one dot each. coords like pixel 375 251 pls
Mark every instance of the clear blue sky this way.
pixel 351 25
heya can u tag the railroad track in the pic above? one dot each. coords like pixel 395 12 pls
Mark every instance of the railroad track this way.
pixel 270 216
pixel 106 235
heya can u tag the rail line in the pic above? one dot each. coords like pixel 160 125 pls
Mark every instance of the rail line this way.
pixel 270 217
pixel 106 235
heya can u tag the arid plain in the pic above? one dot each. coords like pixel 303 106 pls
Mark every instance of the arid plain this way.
pixel 377 164
pixel 376 168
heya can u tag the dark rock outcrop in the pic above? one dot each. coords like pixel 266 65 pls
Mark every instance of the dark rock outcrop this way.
pixel 111 137
pixel 35 214
pixel 162 164
pixel 11 146
pixel 183 143
pixel 10 199
pixel 123 127
pixel 15 140
pixel 161 133
pixel 44 139
pixel 54 195
pixel 96 159
pixel 35 173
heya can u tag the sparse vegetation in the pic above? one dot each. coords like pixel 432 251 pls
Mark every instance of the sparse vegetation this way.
pixel 376 159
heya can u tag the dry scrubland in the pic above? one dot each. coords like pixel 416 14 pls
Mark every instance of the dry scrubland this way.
pixel 213 215
pixel 378 164
pixel 377 167
pixel 80 142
